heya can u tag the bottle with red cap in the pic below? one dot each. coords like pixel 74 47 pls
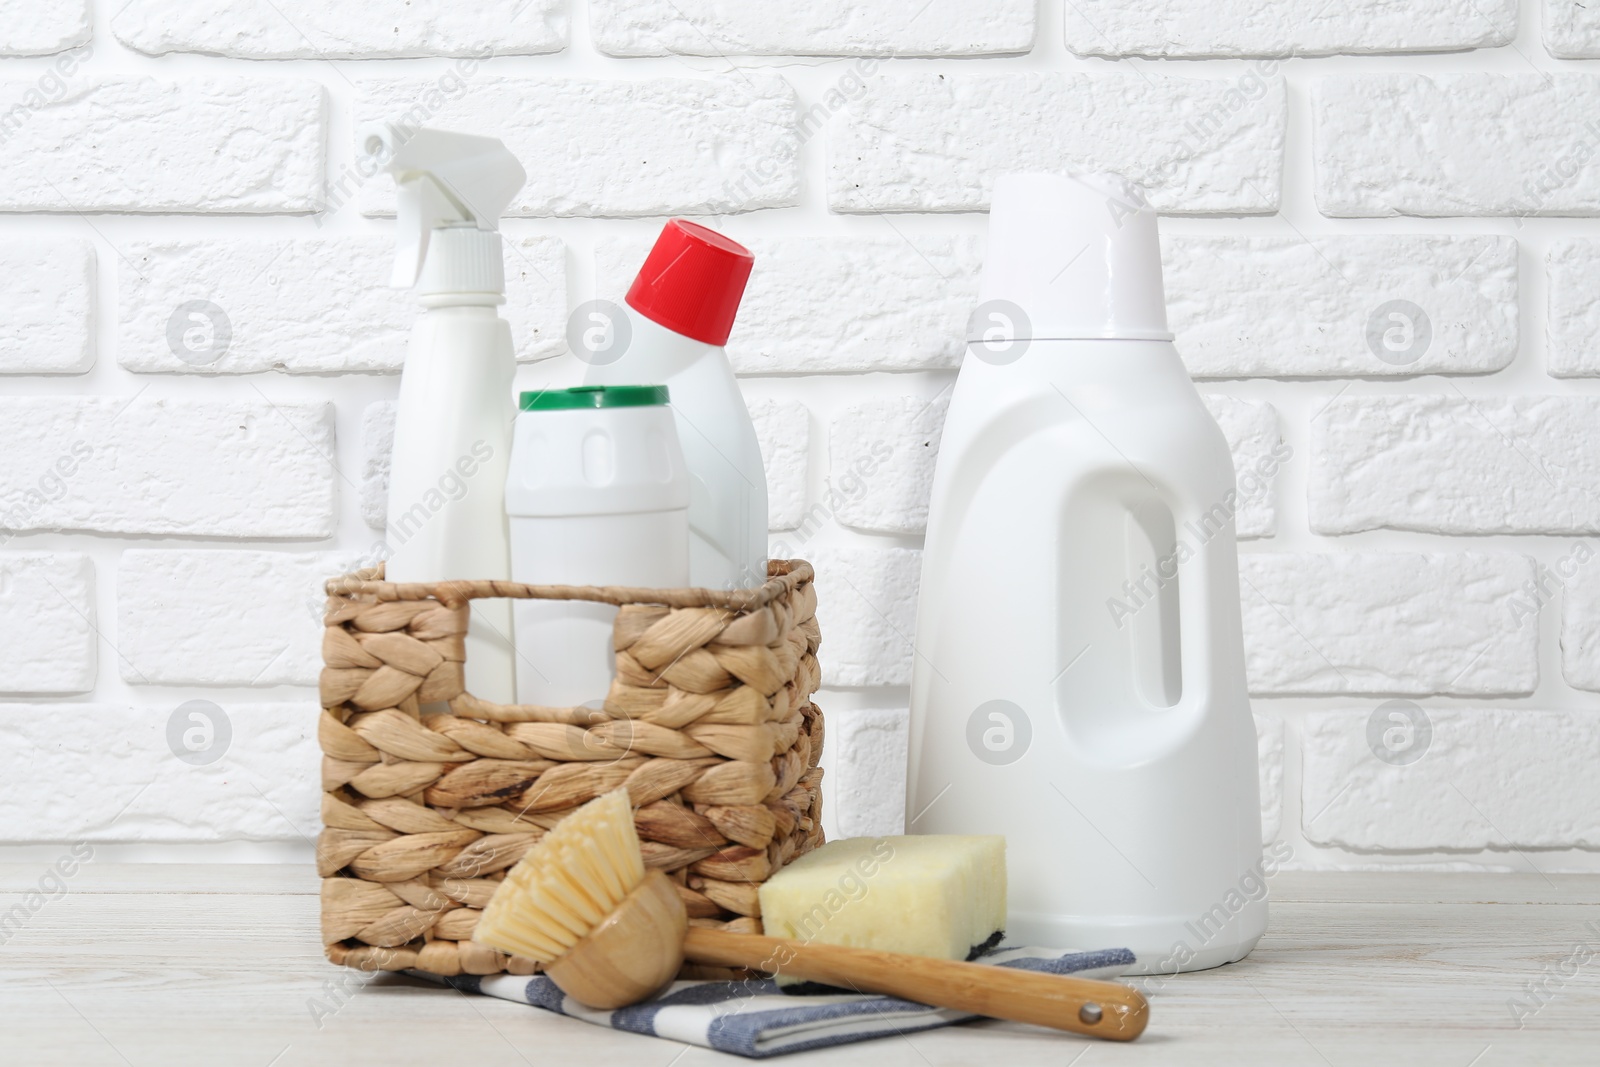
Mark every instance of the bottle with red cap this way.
pixel 680 312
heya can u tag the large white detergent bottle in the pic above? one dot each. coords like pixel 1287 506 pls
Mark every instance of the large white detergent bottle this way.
pixel 1079 680
pixel 681 311
pixel 452 434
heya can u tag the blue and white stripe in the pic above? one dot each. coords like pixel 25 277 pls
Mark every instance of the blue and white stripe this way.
pixel 752 1018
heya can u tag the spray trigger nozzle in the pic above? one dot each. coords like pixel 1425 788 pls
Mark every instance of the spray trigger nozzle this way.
pixel 443 180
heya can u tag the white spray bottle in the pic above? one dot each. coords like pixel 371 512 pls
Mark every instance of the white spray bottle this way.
pixel 681 309
pixel 1079 677
pixel 452 435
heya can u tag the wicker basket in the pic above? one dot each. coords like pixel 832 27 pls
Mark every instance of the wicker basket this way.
pixel 709 725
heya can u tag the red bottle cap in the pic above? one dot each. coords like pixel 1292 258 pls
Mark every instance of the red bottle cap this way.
pixel 692 281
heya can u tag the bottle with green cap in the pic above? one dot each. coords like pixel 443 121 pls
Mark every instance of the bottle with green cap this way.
pixel 597 494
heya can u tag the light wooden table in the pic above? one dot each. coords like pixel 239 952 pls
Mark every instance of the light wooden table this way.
pixel 172 965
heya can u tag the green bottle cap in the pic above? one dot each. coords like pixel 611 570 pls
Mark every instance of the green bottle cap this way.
pixel 595 396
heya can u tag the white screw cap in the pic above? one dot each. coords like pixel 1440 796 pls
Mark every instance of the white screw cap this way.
pixel 1077 255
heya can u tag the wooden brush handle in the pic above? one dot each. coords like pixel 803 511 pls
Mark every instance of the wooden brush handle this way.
pixel 1059 1001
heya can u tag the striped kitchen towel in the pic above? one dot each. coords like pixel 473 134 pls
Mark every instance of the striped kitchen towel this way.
pixel 752 1018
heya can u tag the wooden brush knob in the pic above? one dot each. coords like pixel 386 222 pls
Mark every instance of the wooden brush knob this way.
pixel 632 954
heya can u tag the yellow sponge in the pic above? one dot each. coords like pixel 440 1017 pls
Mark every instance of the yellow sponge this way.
pixel 926 895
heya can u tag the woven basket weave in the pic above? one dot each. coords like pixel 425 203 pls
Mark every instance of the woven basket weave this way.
pixel 709 725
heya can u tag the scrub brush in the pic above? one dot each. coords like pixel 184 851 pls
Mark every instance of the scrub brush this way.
pixel 611 933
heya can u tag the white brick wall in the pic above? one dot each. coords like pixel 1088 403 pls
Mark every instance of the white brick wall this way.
pixel 262 783
pixel 1579 584
pixel 47 627
pixel 822 28
pixel 373 29
pixel 221 618
pixel 42 27
pixel 867 603
pixel 1388 623
pixel 48 292
pixel 880 463
pixel 1421 462
pixel 1288 307
pixel 665 145
pixel 1574 310
pixel 211 144
pixel 314 307
pixel 869 764
pixel 377 442
pixel 784 429
pixel 1571 29
pixel 321 306
pixel 896 148
pixel 1282 27
pixel 1471 789
pixel 1414 144
pixel 199 351
pixel 1258 454
pixel 179 468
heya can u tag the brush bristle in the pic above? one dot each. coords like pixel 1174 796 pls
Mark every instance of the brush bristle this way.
pixel 575 876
